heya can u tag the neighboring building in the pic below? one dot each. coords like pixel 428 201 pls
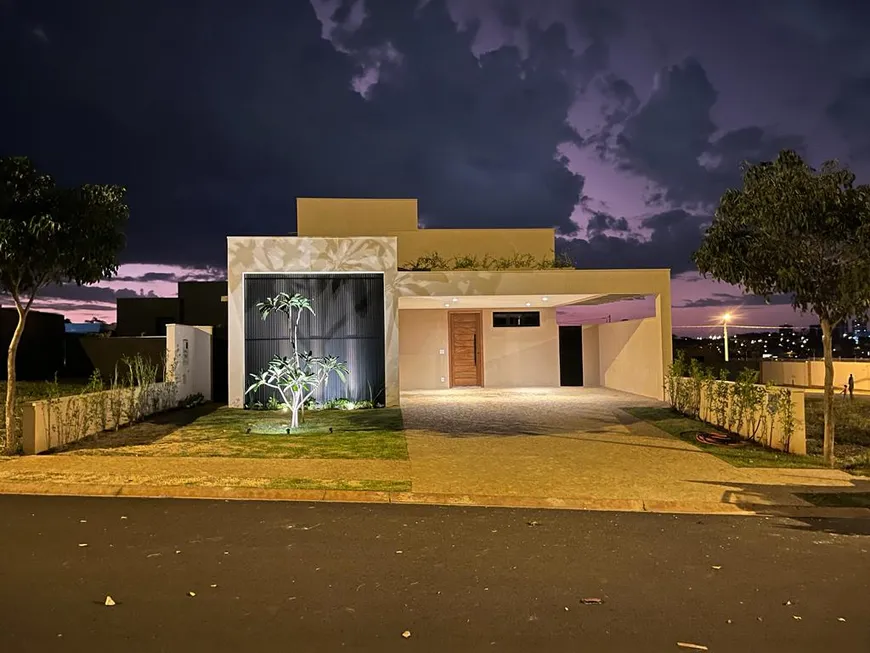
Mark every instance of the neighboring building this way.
pixel 199 303
pixel 146 316
pixel 403 330
pixel 41 348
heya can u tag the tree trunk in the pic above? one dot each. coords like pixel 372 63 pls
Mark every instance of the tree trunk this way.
pixel 828 349
pixel 11 425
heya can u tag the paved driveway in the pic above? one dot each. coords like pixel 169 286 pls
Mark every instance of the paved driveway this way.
pixel 573 443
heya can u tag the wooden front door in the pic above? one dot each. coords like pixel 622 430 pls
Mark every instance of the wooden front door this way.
pixel 466 355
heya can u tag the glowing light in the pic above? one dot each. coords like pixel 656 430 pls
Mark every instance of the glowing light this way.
pixel 726 317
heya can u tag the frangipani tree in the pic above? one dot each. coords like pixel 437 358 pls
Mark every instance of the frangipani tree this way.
pixel 797 231
pixel 296 377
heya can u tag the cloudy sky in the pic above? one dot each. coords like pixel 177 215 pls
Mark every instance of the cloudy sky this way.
pixel 619 122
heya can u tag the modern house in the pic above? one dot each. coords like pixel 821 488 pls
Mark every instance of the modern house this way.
pixel 385 304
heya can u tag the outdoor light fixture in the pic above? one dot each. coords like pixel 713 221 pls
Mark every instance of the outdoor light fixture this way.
pixel 725 318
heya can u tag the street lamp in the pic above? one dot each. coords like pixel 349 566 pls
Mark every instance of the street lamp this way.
pixel 725 319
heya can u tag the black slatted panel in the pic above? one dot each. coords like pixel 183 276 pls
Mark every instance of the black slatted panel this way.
pixel 349 324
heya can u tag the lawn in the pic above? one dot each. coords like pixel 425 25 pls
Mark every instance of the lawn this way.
pixel 749 454
pixel 233 432
pixel 851 430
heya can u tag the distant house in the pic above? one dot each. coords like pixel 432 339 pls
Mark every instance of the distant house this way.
pixel 199 303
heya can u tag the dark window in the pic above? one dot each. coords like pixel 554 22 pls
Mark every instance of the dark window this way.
pixel 516 319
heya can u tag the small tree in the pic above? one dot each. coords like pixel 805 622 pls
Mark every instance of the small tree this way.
pixel 51 235
pixel 296 377
pixel 794 230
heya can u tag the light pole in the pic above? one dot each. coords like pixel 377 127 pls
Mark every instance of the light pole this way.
pixel 725 319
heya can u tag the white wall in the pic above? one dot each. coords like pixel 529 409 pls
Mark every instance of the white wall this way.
pixel 591 358
pixel 422 338
pixel 518 357
pixel 630 356
pixel 811 374
pixel 513 356
pixel 188 357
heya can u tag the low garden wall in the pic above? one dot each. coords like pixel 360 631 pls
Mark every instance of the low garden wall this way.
pixel 770 415
pixel 137 388
pixel 54 422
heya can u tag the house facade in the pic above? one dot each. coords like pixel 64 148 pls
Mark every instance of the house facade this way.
pixel 403 325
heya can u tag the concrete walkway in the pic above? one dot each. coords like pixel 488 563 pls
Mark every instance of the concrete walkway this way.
pixel 209 472
pixel 576 443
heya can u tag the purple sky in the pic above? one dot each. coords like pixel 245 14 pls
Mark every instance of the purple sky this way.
pixel 217 118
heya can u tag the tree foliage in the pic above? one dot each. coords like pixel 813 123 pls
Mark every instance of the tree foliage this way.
pixel 52 235
pixel 296 377
pixel 797 231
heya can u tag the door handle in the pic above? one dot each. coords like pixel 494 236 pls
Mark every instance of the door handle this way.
pixel 475 348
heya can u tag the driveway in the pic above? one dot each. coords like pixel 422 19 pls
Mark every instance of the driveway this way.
pixel 574 443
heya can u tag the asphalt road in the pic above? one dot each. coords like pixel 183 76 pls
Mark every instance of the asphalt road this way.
pixel 332 577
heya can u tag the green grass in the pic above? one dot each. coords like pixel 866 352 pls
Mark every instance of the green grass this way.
pixel 838 499
pixel 204 431
pixel 750 454
pixel 851 430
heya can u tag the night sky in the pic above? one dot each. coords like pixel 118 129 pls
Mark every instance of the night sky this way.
pixel 619 122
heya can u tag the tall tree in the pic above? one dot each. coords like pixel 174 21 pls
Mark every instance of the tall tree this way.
pixel 797 231
pixel 51 235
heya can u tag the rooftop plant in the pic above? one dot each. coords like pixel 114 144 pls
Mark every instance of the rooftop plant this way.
pixel 436 262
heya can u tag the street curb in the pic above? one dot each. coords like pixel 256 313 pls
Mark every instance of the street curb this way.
pixel 421 498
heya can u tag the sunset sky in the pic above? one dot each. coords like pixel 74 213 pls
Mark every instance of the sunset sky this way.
pixel 618 122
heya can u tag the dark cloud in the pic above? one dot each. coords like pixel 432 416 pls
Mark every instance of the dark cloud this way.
pixel 849 112
pixel 600 222
pixel 217 118
pixel 674 235
pixel 207 274
pixel 727 299
pixel 671 138
pixel 86 294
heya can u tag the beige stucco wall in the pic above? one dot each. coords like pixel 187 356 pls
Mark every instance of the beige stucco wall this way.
pixel 811 374
pixel 625 357
pixel 516 357
pixel 495 243
pixel 267 254
pixel 340 218
pixel 337 218
pixel 513 357
pixel 423 357
pixel 591 357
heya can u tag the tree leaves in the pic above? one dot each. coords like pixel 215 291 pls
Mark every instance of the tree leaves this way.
pixel 56 235
pixel 794 230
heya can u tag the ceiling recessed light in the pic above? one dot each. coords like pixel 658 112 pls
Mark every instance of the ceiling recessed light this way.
pixel 528 303
pixel 544 299
pixel 447 305
pixel 455 300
